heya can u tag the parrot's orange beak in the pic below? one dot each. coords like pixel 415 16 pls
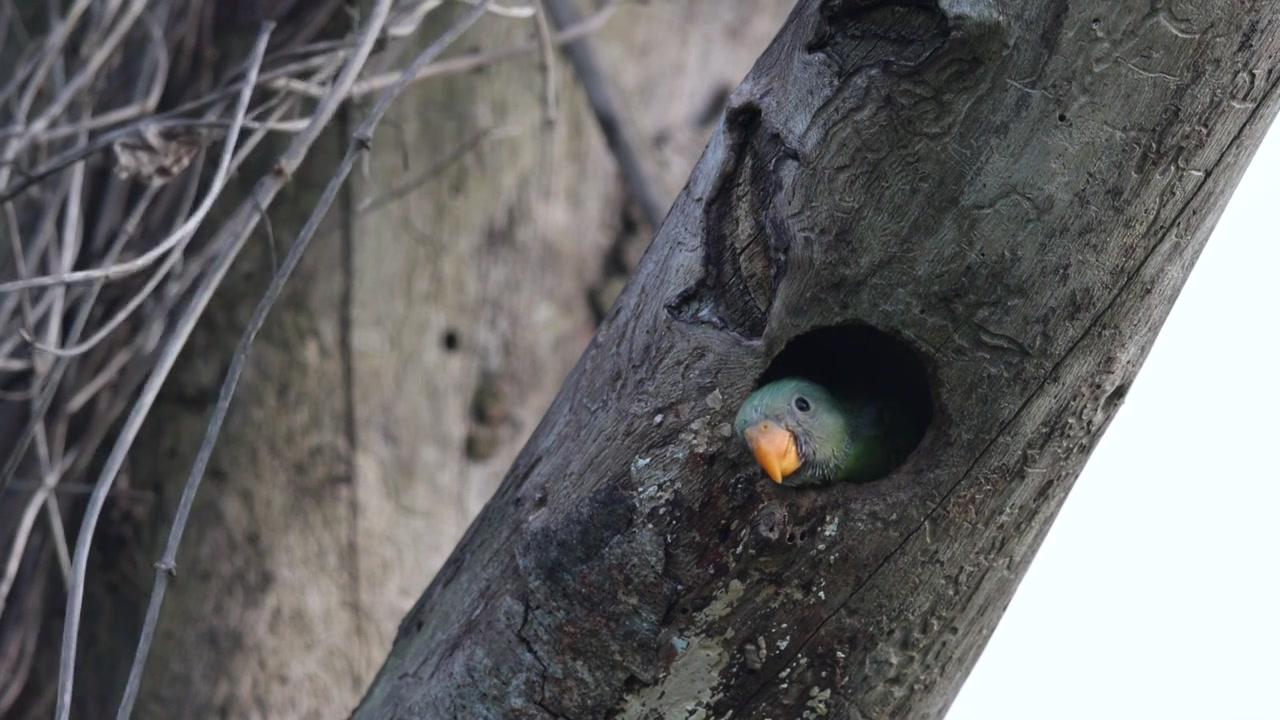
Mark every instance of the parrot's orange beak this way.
pixel 774 448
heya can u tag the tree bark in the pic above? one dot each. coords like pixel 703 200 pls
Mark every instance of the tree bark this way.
pixel 413 352
pixel 1015 190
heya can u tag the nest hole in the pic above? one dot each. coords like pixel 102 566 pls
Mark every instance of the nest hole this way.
pixel 861 361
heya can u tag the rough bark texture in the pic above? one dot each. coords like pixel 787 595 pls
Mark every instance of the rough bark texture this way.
pixel 417 346
pixel 1018 191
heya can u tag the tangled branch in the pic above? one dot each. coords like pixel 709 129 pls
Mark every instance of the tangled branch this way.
pixel 117 140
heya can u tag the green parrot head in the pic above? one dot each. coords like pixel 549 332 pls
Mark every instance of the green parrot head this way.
pixel 795 427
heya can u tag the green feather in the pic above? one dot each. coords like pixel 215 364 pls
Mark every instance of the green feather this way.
pixel 851 436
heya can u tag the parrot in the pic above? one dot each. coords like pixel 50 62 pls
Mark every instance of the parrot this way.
pixel 804 434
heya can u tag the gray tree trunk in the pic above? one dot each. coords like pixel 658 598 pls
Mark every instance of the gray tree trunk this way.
pixel 426 332
pixel 1015 190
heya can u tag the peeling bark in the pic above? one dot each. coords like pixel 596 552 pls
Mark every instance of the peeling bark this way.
pixel 1016 190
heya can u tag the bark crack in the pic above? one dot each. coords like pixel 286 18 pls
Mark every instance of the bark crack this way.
pixel 533 653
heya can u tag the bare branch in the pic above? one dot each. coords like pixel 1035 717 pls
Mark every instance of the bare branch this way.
pixel 167 566
pixel 77 356
pixel 464 63
pixel 75 594
pixel 612 121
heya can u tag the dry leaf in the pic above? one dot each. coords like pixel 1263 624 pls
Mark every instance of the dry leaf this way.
pixel 156 155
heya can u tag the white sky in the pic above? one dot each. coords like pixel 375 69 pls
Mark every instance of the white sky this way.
pixel 1157 592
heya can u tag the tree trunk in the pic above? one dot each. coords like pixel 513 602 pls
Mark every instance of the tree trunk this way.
pixel 1017 192
pixel 422 338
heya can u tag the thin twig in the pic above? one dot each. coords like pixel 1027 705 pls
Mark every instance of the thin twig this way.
pixel 401 189
pixel 166 568
pixel 282 79
pixel 90 70
pixel 611 120
pixel 66 488
pixel 52 473
pixel 84 540
pixel 45 399
pixel 23 532
pixel 548 62
pixel 175 117
pixel 130 111
pixel 171 245
pixel 463 63
pixel 80 386
pixel 147 337
pixel 56 41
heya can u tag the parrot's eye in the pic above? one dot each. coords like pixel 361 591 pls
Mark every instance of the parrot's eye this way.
pixel 802 404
